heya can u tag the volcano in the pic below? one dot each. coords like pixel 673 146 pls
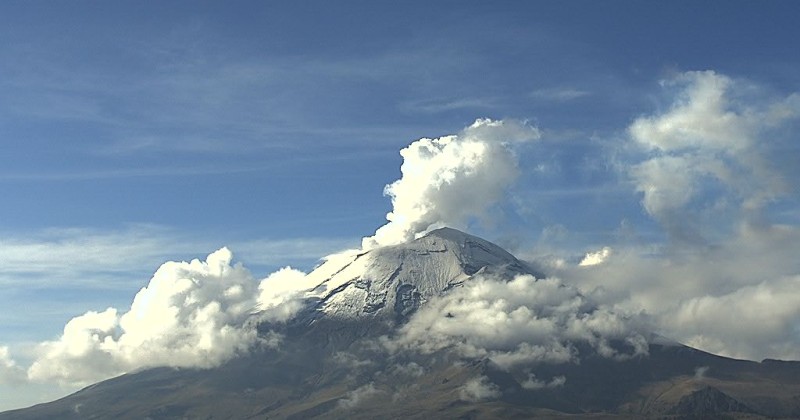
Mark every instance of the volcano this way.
pixel 401 331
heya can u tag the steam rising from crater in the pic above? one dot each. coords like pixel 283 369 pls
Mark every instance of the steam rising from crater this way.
pixel 449 180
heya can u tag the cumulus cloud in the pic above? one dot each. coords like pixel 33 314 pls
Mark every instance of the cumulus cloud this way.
pixel 522 321
pixel 594 258
pixel 708 155
pixel 280 294
pixel 700 118
pixel 191 314
pixel 479 389
pixel 448 180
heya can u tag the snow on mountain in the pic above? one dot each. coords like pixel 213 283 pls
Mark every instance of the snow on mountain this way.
pixel 450 290
pixel 393 281
pixel 446 326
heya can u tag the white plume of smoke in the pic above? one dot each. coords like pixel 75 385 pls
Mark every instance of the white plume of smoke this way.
pixel 522 321
pixel 189 315
pixel 448 180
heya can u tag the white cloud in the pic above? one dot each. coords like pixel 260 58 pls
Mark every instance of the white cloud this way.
pixel 766 317
pixel 79 254
pixel 521 321
pixel 91 264
pixel 701 118
pixel 82 257
pixel 479 389
pixel 708 155
pixel 738 298
pixel 704 156
pixel 191 314
pixel 668 183
pixel 10 373
pixel 594 258
pixel 560 94
pixel 712 169
pixel 450 179
pixel 280 294
pixel 434 106
pixel 533 383
pixel 358 396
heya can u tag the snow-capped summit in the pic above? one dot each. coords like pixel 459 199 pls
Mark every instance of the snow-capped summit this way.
pixel 393 281
pixel 535 348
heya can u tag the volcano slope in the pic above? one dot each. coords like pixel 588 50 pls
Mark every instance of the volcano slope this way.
pixel 449 326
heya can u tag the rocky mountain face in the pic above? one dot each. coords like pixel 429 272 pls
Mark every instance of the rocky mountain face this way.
pixel 708 402
pixel 336 358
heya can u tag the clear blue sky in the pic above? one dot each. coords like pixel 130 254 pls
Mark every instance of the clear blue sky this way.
pixel 132 133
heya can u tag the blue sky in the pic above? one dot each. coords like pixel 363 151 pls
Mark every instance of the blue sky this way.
pixel 135 133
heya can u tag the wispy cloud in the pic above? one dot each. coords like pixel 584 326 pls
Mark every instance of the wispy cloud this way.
pixel 562 94
pixel 189 97
pixel 710 173
pixel 435 106
pixel 183 170
pixel 83 257
pixel 708 158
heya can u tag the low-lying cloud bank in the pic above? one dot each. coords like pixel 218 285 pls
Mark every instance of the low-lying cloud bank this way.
pixel 715 170
pixel 739 299
pixel 196 314
pixel 189 315
pixel 520 322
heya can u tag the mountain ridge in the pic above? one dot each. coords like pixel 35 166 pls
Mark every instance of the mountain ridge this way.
pixel 334 358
